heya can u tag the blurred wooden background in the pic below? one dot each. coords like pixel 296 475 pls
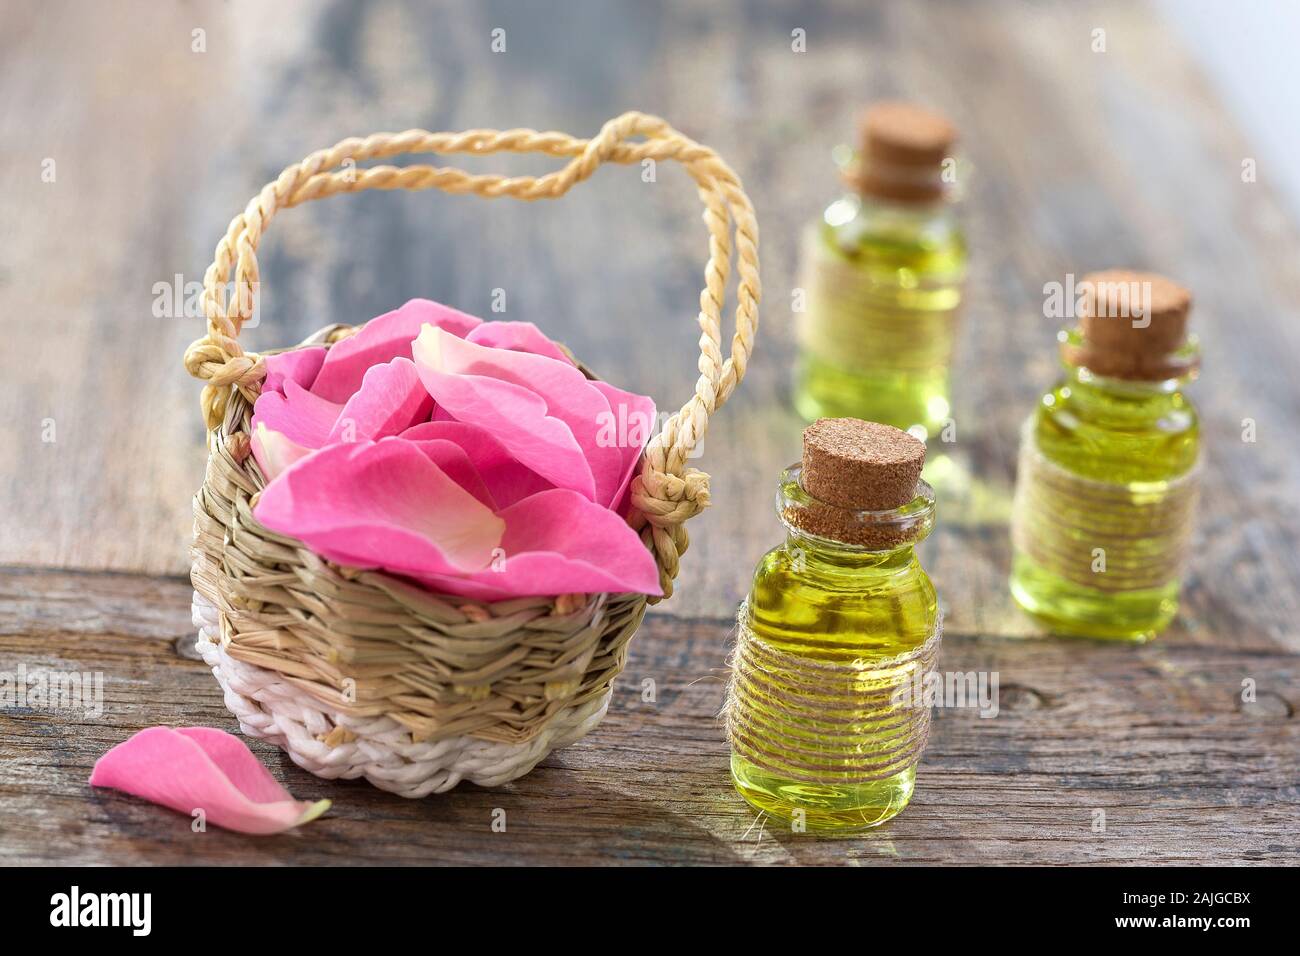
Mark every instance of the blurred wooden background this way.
pixel 1081 160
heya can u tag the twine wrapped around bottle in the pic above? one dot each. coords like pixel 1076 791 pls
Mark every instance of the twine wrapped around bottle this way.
pixel 823 722
pixel 1108 536
pixel 358 673
pixel 860 321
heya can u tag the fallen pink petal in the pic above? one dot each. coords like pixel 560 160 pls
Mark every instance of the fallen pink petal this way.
pixel 191 769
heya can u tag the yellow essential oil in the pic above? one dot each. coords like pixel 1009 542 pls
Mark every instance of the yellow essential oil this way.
pixel 1107 485
pixel 883 277
pixel 840 617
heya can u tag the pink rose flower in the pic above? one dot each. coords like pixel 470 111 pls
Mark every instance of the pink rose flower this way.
pixel 473 457
pixel 197 768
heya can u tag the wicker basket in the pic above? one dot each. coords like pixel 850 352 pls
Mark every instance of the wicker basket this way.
pixel 360 673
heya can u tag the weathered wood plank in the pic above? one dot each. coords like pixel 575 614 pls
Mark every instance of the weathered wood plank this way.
pixel 1156 737
pixel 1081 160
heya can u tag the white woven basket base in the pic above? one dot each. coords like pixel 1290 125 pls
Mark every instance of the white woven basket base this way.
pixel 383 753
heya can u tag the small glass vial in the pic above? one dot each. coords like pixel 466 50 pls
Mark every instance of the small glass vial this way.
pixel 840 630
pixel 1106 487
pixel 883 273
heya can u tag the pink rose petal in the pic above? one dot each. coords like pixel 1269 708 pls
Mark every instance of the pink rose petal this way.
pixel 634 425
pixel 300 365
pixel 196 768
pixel 430 444
pixel 495 469
pixel 381 505
pixel 515 415
pixel 518 337
pixel 457 466
pixel 569 396
pixel 558 542
pixel 381 340
pixel 391 399
pixel 274 452
pixel 302 417
pixel 233 758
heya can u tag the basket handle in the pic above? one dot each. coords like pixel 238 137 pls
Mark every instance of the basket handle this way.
pixel 666 492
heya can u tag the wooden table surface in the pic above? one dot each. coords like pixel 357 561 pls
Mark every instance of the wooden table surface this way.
pixel 1081 160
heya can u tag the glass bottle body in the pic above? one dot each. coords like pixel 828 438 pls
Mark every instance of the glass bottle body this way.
pixel 1141 438
pixel 883 282
pixel 830 603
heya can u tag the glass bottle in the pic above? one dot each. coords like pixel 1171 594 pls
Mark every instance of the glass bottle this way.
pixel 1106 489
pixel 883 273
pixel 841 626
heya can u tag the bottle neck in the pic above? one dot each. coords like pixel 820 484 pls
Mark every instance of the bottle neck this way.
pixel 1127 371
pixel 896 233
pixel 1118 430
pixel 1086 387
pixel 836 555
pixel 879 214
pixel 882 178
pixel 851 537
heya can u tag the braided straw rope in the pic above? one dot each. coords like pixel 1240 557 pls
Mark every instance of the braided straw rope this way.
pixel 823 722
pixel 312 654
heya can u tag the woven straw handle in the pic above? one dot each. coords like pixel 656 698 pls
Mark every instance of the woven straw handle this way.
pixel 666 492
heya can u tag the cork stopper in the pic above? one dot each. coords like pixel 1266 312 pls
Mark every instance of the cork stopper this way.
pixel 1131 324
pixel 903 146
pixel 851 466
